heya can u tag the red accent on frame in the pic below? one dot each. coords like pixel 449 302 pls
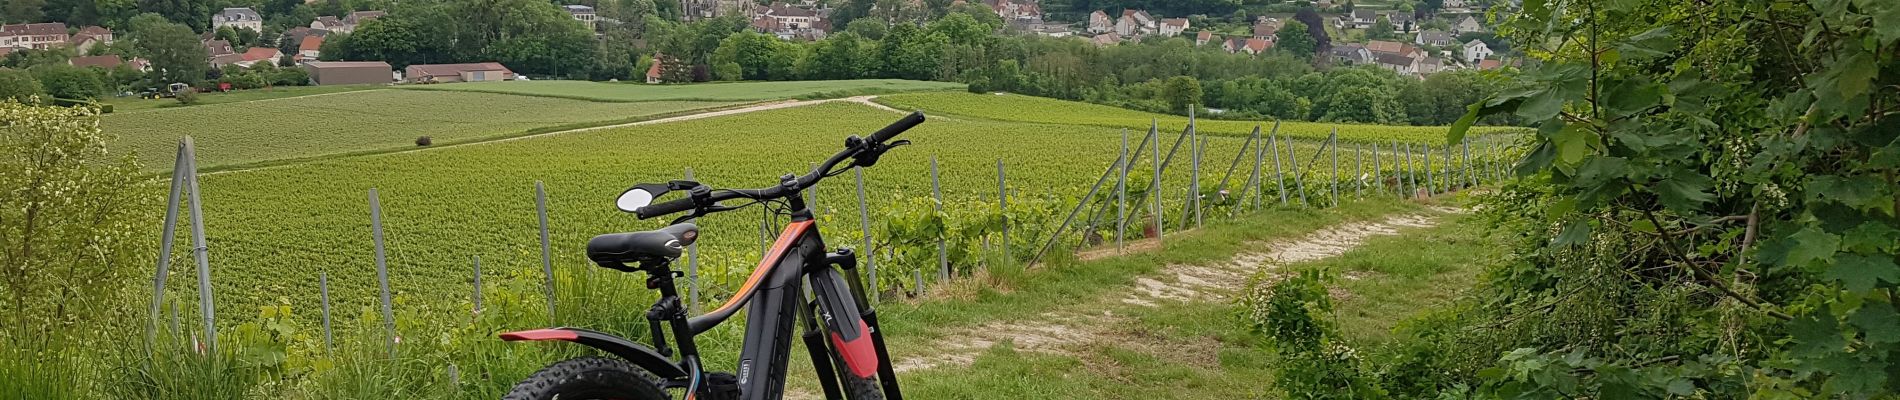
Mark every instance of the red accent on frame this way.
pixel 541 334
pixel 858 354
pixel 779 247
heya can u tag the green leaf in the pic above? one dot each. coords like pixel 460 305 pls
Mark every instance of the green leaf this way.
pixel 1811 244
pixel 1858 272
pixel 1572 144
pixel 1816 335
pixel 1542 106
pixel 1862 192
pixel 1463 124
pixel 1576 232
pixel 1684 191
pixel 1870 237
pixel 1857 72
pixel 1654 43
pixel 1681 387
pixel 1887 32
pixel 1878 322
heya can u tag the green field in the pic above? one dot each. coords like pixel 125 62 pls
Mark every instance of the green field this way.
pixel 130 104
pixel 379 120
pixel 1011 107
pixel 733 91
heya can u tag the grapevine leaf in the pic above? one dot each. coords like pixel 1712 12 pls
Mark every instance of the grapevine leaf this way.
pixel 1684 191
pixel 1577 232
pixel 1870 237
pixel 1857 72
pixel 1888 32
pixel 1572 144
pixel 1811 244
pixel 1878 322
pixel 1862 192
pixel 1631 96
pixel 1858 272
pixel 1851 375
pixel 1816 335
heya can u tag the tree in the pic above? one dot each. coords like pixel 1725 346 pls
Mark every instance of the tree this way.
pixel 22 11
pixel 174 52
pixel 17 85
pixel 1315 28
pixel 1295 40
pixel 841 56
pixel 868 28
pixel 1182 93
pixel 194 14
pixel 1382 29
pixel 71 227
pixel 70 82
pixel 909 52
pixel 757 56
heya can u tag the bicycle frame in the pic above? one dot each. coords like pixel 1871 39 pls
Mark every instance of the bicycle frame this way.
pixel 775 292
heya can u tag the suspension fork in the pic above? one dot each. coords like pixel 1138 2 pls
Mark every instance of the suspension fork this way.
pixel 846 260
pixel 815 345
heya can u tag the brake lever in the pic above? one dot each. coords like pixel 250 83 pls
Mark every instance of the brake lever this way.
pixel 870 156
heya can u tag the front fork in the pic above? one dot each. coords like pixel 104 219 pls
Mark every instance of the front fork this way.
pixel 847 262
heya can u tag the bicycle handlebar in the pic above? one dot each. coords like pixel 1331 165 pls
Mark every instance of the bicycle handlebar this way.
pixel 864 152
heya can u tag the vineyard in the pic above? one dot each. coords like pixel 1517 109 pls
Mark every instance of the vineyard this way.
pixel 745 91
pixel 442 208
pixel 285 129
pixel 1019 108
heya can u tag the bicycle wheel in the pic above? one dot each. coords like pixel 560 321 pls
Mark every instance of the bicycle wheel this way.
pixel 588 378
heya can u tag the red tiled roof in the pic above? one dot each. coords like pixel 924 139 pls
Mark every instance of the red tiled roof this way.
pixel 654 71
pixel 261 53
pixel 347 64
pixel 1258 45
pixel 310 43
pixel 1204 36
pixel 45 28
pixel 1381 46
pixel 1490 64
pixel 105 61
pixel 95 31
pixel 425 70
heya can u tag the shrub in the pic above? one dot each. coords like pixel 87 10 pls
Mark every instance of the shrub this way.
pixel 424 141
pixel 187 97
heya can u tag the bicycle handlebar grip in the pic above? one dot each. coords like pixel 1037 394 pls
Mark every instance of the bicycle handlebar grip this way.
pixel 904 124
pixel 655 210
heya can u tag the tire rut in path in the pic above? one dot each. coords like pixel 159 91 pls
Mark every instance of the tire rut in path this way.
pixel 1061 331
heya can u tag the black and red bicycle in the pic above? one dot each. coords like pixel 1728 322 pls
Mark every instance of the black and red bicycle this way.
pixel 839 328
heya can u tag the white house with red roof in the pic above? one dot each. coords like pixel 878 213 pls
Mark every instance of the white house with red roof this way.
pixel 34 36
pixel 1099 22
pixel 1173 26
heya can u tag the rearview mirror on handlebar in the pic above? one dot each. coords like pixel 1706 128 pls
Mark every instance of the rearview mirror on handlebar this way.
pixel 639 196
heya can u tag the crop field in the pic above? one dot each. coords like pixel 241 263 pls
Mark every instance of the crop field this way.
pixel 378 120
pixel 735 91
pixel 442 207
pixel 132 104
pixel 1011 107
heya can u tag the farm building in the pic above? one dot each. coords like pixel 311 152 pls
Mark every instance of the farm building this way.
pixel 444 73
pixel 349 72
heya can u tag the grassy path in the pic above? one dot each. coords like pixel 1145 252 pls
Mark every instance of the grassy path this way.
pixel 1171 330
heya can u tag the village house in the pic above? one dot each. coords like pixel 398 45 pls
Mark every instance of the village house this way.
pixel 106 61
pixel 346 24
pixel 1468 24
pixel 1099 22
pixel 1255 46
pixel 1435 38
pixel 1399 63
pixel 789 22
pixel 89 37
pixel 582 13
pixel 695 10
pixel 1359 19
pixel 1430 65
pixel 348 72
pixel 33 36
pixel 1106 39
pixel 1402 22
pixel 1267 28
pixel 1476 50
pixel 218 47
pixel 1454 4
pixel 254 55
pixel 1233 45
pixel 310 48
pixel 1351 54
pixel 1173 26
pixel 1135 23
pixel 1488 65
pixel 238 18
pixel 1014 10
pixel 1204 37
pixel 445 73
